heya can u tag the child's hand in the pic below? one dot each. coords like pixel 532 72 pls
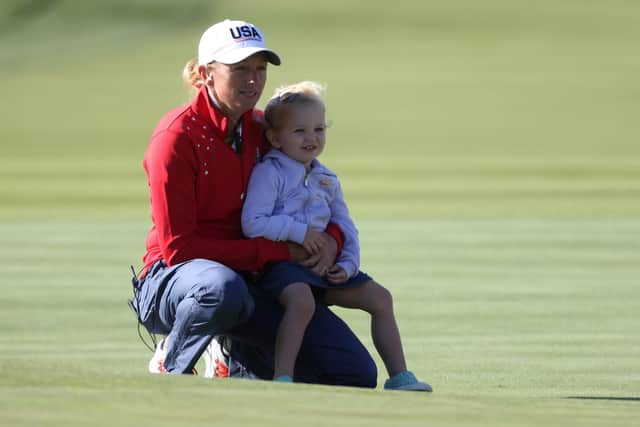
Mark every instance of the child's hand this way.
pixel 336 275
pixel 313 241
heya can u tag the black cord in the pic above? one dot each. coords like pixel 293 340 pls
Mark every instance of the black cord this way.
pixel 134 307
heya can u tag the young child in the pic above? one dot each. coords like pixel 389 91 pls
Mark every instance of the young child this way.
pixel 292 197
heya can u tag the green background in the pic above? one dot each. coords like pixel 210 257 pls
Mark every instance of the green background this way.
pixel 489 151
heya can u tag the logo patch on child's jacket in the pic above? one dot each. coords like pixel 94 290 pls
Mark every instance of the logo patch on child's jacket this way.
pixel 325 181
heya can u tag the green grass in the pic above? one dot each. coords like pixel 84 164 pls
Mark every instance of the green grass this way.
pixel 489 152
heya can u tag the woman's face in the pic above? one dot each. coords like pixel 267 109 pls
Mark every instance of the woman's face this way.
pixel 238 87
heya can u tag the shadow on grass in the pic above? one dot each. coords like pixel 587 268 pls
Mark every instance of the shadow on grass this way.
pixel 627 399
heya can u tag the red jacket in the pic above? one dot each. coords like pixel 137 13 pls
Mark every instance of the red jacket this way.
pixel 197 185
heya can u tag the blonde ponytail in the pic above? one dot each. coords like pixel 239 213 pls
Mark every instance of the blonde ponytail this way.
pixel 191 76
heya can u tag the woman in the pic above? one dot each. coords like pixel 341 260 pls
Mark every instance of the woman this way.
pixel 193 283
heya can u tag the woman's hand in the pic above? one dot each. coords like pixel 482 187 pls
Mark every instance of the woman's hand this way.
pixel 320 262
pixel 297 252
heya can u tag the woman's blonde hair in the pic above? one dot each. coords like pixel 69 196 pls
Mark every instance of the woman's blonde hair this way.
pixel 303 92
pixel 191 77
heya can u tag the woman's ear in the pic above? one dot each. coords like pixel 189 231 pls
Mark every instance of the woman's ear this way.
pixel 205 76
pixel 271 137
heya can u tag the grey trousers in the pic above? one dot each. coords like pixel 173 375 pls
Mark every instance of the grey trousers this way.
pixel 191 302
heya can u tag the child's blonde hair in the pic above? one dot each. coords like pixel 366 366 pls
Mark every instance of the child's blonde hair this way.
pixel 303 92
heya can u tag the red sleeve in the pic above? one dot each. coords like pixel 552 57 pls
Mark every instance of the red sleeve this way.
pixel 334 231
pixel 171 169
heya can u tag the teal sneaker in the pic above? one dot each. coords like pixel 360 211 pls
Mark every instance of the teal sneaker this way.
pixel 283 379
pixel 406 381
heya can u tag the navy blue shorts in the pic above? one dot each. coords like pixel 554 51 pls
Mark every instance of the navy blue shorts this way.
pixel 279 275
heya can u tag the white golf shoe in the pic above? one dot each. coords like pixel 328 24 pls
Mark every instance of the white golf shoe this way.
pixel 216 359
pixel 156 364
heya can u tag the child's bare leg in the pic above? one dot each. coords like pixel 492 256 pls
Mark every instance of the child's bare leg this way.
pixel 376 300
pixel 299 306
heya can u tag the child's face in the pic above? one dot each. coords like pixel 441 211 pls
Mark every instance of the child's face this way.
pixel 301 132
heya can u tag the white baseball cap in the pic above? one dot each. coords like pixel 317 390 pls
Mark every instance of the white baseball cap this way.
pixel 230 42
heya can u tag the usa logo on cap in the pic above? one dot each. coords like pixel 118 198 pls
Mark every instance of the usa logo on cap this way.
pixel 245 32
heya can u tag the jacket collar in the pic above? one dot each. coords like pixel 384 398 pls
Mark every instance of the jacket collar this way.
pixel 205 109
